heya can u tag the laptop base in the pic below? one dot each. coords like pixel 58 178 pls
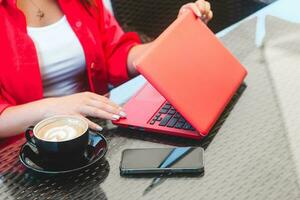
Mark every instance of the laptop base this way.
pixel 147 102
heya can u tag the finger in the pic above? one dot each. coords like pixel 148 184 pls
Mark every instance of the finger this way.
pixel 193 7
pixel 182 10
pixel 207 7
pixel 106 107
pixel 209 17
pixel 91 124
pixel 201 6
pixel 105 100
pixel 95 112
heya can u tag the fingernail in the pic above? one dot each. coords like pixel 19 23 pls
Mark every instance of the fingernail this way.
pixel 99 128
pixel 116 117
pixel 123 114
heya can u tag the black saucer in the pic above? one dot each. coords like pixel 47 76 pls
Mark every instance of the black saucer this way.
pixel 96 150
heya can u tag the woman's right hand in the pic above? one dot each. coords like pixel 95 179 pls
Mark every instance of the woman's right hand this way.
pixel 85 104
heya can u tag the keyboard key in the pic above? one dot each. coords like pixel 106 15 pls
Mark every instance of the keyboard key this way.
pixel 172 112
pixel 171 118
pixel 182 120
pixel 152 122
pixel 167 106
pixel 165 120
pixel 158 115
pixel 177 115
pixel 187 126
pixel 163 111
pixel 172 122
pixel 179 125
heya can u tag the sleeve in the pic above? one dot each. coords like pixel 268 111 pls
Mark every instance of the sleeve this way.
pixel 4 100
pixel 116 48
pixel 3 105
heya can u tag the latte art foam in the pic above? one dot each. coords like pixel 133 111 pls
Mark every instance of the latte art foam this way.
pixel 60 129
pixel 60 133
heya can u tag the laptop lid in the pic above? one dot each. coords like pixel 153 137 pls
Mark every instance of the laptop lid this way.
pixel 190 67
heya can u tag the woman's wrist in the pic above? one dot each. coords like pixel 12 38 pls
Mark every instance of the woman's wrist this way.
pixel 134 53
pixel 45 107
pixel 131 70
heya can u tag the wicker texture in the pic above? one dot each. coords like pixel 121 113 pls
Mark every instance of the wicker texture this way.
pixel 282 55
pixel 150 17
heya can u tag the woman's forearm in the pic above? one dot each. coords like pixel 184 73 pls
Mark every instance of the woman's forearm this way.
pixel 134 53
pixel 16 119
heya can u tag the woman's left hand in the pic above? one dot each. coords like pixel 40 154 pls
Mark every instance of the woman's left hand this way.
pixel 200 8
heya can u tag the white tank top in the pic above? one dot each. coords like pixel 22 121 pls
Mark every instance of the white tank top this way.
pixel 61 58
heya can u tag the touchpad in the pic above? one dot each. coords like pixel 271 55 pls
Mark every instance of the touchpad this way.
pixel 149 93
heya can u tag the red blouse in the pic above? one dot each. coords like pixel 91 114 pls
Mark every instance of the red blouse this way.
pixel 104 43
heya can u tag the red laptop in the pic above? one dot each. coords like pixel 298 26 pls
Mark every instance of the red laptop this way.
pixel 192 77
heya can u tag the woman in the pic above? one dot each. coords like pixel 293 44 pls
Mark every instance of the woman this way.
pixel 53 51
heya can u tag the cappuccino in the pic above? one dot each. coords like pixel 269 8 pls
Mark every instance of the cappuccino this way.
pixel 60 129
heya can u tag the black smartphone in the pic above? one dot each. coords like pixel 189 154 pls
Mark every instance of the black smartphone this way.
pixel 177 160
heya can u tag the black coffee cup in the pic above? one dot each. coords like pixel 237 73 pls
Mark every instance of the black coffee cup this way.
pixel 59 138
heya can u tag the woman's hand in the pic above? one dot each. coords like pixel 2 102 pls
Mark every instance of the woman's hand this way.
pixel 16 119
pixel 84 104
pixel 200 8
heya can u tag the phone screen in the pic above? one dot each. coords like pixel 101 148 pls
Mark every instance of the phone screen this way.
pixel 162 160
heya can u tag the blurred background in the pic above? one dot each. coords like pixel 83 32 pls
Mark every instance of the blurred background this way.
pixel 150 17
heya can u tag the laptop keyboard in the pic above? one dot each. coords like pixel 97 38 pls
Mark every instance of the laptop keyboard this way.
pixel 169 117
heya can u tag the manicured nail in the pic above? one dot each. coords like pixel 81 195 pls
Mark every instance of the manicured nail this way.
pixel 99 128
pixel 123 114
pixel 116 117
